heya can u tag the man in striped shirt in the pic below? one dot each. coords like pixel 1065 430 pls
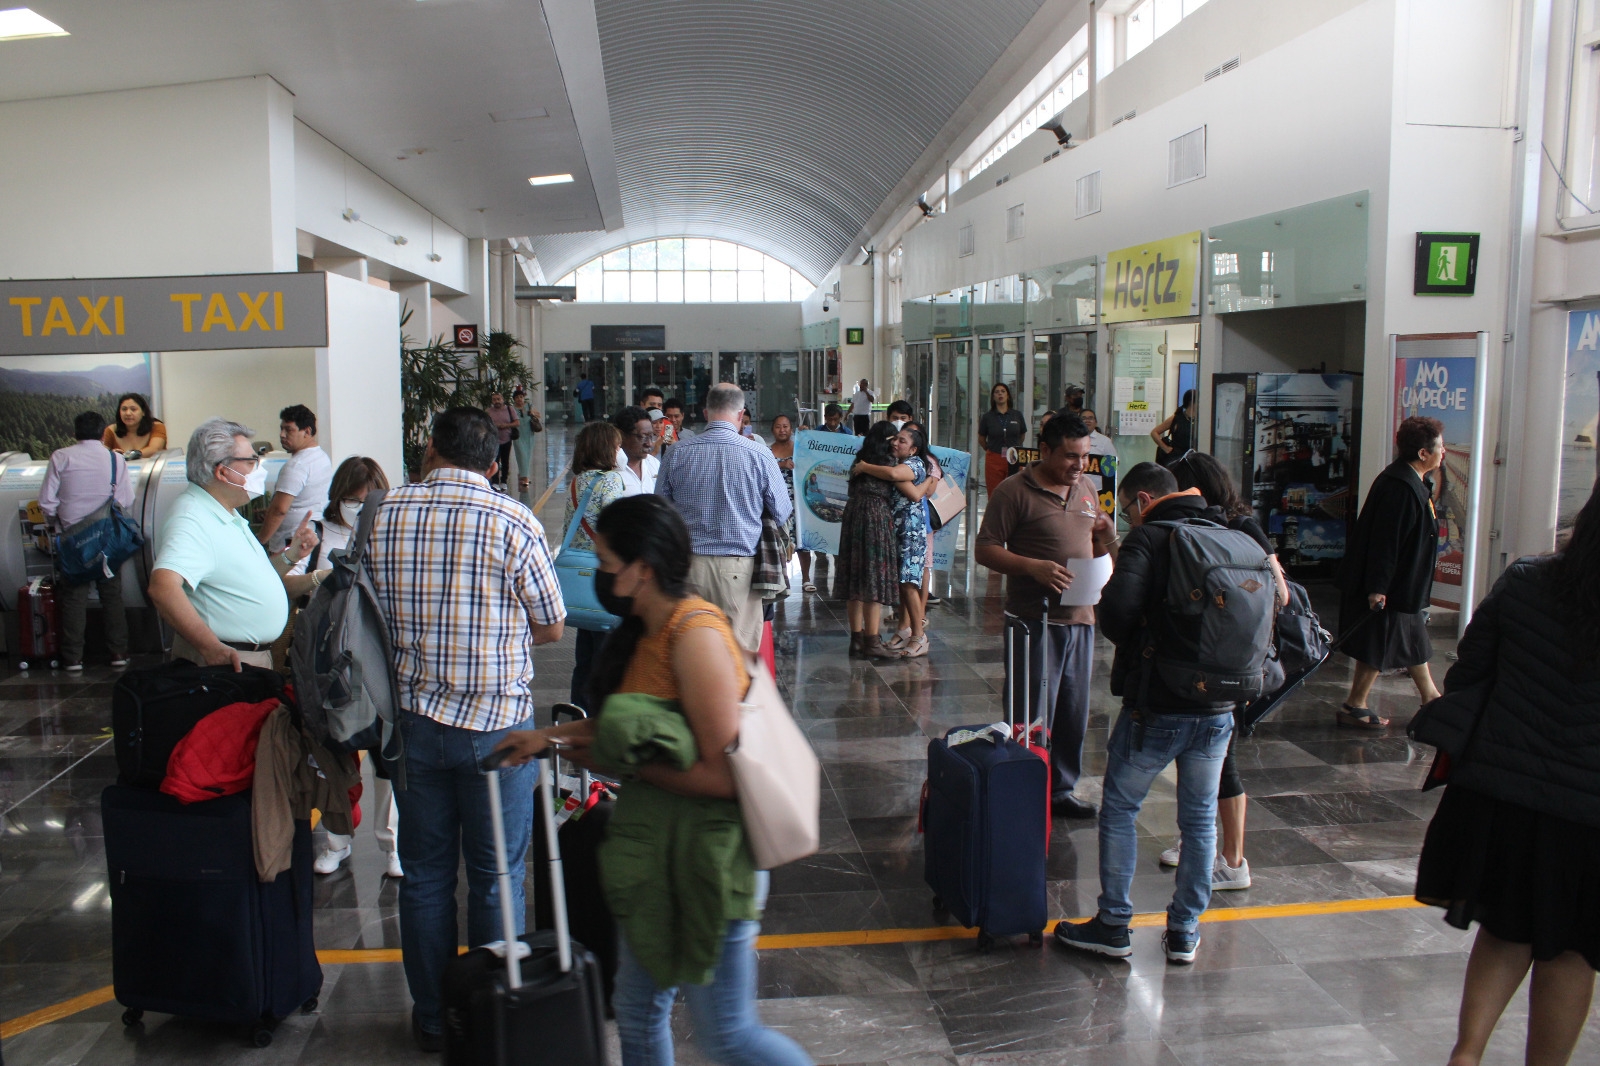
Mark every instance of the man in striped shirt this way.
pixel 467 584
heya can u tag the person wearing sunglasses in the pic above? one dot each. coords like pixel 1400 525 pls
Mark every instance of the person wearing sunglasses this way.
pixel 634 462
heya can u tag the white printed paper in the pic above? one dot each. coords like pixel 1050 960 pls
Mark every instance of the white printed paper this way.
pixel 1089 576
pixel 1155 393
pixel 1137 423
pixel 1122 391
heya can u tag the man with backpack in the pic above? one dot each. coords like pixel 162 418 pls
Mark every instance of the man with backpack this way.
pixel 1189 608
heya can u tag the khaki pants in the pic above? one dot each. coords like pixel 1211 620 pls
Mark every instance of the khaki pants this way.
pixel 72 601
pixel 725 581
pixel 182 649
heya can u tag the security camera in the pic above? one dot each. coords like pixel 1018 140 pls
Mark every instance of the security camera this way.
pixel 1063 137
pixel 824 306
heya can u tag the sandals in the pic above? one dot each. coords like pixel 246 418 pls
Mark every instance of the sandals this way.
pixel 915 649
pixel 1360 718
pixel 809 586
pixel 900 640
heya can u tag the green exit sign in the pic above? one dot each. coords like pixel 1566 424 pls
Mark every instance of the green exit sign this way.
pixel 1446 264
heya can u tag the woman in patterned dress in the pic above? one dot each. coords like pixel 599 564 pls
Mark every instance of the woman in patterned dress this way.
pixel 909 476
pixel 869 559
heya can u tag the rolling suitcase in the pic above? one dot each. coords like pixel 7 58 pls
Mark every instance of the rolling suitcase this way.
pixel 588 812
pixel 39 626
pixel 986 824
pixel 536 1001
pixel 193 931
pixel 1030 734
pixel 153 709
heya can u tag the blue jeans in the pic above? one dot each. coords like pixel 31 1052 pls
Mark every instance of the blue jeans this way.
pixel 726 1025
pixel 1198 744
pixel 444 815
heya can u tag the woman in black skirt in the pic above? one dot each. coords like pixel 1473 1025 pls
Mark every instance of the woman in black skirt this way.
pixel 868 572
pixel 1515 843
pixel 1389 570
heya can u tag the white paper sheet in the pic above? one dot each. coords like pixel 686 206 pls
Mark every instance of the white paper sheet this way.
pixel 1089 576
pixel 1137 423
pixel 1155 393
pixel 1121 391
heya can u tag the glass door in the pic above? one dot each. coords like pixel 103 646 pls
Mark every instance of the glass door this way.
pixel 955 418
pixel 920 382
pixel 1000 363
pixel 1138 398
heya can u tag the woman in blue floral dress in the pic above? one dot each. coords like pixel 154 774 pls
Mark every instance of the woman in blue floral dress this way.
pixel 910 476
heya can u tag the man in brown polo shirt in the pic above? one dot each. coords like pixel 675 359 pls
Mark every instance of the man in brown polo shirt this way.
pixel 1036 521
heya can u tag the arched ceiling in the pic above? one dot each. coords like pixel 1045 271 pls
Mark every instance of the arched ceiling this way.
pixel 778 124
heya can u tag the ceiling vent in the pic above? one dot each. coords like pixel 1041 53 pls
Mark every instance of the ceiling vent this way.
pixel 1014 230
pixel 1186 158
pixel 964 241
pixel 1088 195
pixel 1232 64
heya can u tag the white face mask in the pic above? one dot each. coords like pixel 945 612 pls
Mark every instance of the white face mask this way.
pixel 350 511
pixel 898 425
pixel 255 482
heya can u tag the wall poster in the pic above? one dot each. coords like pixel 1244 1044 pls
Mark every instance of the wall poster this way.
pixel 1580 462
pixel 40 395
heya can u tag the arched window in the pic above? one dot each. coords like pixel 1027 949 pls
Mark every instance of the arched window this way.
pixel 691 270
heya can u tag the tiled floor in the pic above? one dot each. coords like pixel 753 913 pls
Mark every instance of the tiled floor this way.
pixel 1332 816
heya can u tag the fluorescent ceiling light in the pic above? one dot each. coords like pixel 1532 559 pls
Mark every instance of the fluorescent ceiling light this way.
pixel 550 179
pixel 21 23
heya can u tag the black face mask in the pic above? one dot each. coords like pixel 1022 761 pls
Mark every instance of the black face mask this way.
pixel 604 591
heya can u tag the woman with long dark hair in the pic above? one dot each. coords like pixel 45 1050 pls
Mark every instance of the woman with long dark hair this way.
pixel 594 461
pixel 691 916
pixel 909 475
pixel 135 429
pixel 868 574
pixel 1001 428
pixel 1176 435
pixel 1388 578
pixel 1197 470
pixel 1515 842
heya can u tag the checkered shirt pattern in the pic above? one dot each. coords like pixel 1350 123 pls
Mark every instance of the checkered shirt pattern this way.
pixel 721 483
pixel 462 574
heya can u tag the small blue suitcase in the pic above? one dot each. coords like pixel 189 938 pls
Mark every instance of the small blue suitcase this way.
pixel 984 843
pixel 193 932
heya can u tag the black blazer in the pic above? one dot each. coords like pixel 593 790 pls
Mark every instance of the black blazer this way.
pixel 1538 744
pixel 1395 546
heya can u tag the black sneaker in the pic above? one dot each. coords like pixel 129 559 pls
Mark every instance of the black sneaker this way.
pixel 1096 937
pixel 427 1040
pixel 1180 947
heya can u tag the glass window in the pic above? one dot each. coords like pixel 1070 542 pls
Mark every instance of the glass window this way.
pixel 697 286
pixel 696 254
pixel 1141 22
pixel 644 255
pixel 617 260
pixel 752 286
pixel 680 269
pixel 724 286
pixel 616 289
pixel 669 286
pixel 588 281
pixel 1168 14
pixel 749 258
pixel 724 256
pixel 669 254
pixel 1190 6
pixel 644 286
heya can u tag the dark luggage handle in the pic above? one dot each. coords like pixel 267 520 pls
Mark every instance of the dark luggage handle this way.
pixel 558 891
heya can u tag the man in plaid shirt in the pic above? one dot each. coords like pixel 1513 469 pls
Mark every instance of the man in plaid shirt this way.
pixel 467 584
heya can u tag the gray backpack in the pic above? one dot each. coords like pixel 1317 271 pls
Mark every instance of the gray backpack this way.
pixel 1215 632
pixel 342 659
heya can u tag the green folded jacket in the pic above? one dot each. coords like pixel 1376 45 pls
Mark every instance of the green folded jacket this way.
pixel 675 868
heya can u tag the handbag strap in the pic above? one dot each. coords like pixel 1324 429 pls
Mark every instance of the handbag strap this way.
pixel 369 511
pixel 112 499
pixel 577 516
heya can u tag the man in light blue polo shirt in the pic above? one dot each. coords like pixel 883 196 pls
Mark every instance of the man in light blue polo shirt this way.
pixel 213 582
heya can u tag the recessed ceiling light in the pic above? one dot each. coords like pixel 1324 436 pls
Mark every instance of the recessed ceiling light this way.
pixel 21 23
pixel 550 179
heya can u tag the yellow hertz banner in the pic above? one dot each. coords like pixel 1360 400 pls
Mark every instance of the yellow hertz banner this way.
pixel 1156 280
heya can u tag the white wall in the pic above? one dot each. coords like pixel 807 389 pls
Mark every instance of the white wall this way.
pixel 690 327
pixel 327 181
pixel 249 386
pixel 854 310
pixel 358 376
pixel 182 179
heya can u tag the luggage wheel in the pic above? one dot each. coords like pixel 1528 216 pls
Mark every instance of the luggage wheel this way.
pixel 309 1006
pixel 132 1017
pixel 261 1036
pixel 22 666
pixel 1036 940
pixel 938 905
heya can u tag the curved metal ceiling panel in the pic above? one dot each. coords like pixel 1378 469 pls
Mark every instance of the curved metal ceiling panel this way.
pixel 778 124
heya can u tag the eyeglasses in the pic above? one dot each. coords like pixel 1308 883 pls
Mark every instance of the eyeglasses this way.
pixel 253 460
pixel 1127 510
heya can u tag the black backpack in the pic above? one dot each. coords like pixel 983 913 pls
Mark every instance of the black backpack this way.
pixel 1302 643
pixel 1212 644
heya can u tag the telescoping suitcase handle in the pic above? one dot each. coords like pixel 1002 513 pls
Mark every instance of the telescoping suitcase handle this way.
pixel 1024 674
pixel 512 948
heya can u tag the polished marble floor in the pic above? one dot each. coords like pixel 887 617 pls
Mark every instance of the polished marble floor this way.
pixel 1333 816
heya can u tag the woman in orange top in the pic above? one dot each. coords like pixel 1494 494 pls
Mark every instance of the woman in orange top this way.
pixel 677 647
pixel 135 429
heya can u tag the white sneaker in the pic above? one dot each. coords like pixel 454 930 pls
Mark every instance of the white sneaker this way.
pixel 394 869
pixel 1171 855
pixel 1225 878
pixel 330 860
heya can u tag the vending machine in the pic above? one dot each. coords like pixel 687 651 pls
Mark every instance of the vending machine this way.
pixel 1291 442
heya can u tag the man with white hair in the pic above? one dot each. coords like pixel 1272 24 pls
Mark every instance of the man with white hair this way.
pixel 721 483
pixel 213 582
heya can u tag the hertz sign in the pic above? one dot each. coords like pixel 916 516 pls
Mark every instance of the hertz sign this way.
pixel 84 316
pixel 1157 280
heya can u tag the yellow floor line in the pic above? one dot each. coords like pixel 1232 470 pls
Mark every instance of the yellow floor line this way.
pixel 781 941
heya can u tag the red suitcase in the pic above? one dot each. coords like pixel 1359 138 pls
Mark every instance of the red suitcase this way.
pixel 39 643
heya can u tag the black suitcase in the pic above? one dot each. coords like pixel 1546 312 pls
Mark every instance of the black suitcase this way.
pixel 193 932
pixel 547 1011
pixel 153 709
pixel 588 917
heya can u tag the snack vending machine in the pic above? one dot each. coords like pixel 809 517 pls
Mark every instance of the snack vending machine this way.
pixel 1291 441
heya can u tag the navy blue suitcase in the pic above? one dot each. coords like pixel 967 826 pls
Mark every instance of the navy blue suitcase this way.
pixel 193 931
pixel 984 843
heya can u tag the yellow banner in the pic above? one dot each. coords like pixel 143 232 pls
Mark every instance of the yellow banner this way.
pixel 1156 280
